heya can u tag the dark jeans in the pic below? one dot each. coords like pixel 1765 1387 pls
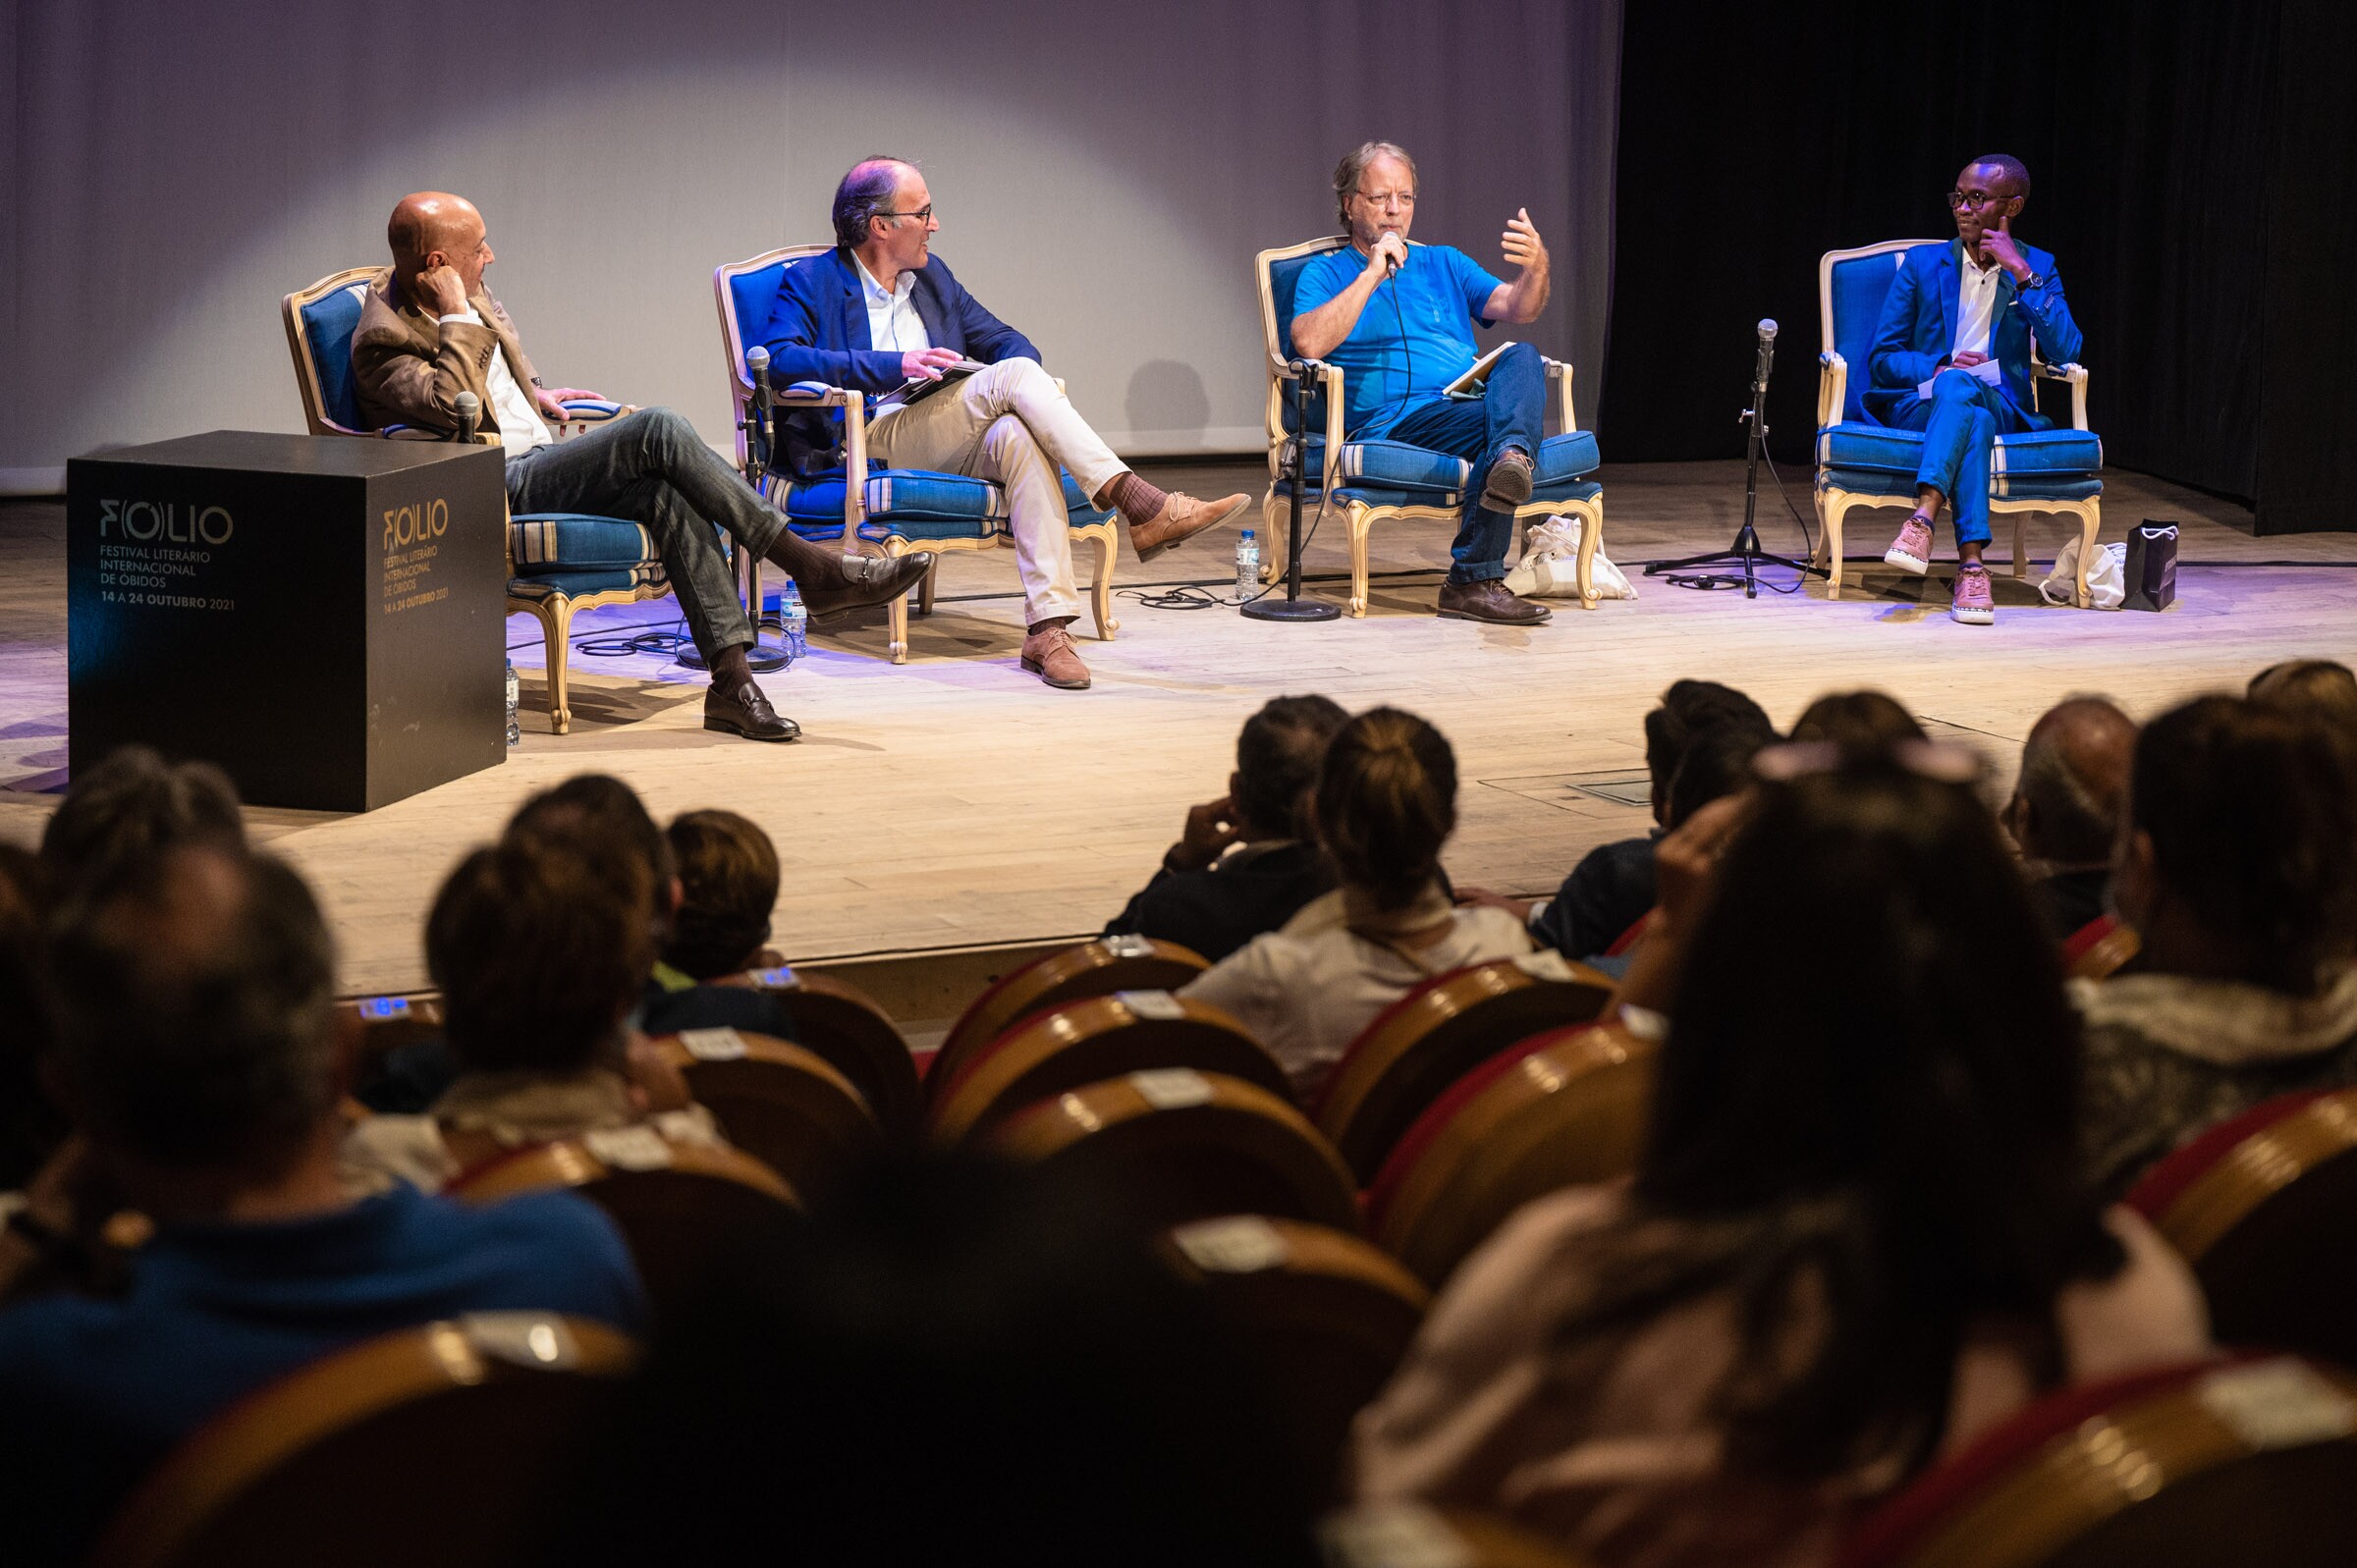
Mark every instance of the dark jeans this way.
pixel 1510 412
pixel 650 468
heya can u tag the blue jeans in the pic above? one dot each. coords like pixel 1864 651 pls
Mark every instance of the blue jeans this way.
pixel 1510 412
pixel 1961 422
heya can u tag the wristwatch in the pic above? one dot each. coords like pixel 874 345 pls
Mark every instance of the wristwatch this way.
pixel 2036 280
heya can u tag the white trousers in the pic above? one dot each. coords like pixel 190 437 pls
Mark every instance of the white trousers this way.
pixel 1013 425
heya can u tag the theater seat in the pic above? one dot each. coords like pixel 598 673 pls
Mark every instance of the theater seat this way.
pixel 1083 1042
pixel 431 1446
pixel 1185 1145
pixel 1416 1048
pixel 2265 1208
pixel 1090 969
pixel 1410 1535
pixel 686 1209
pixel 2100 948
pixel 1329 1316
pixel 2246 1462
pixel 780 1104
pixel 854 1034
pixel 1562 1109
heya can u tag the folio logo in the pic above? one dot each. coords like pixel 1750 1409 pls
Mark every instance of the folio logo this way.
pixel 409 525
pixel 166 521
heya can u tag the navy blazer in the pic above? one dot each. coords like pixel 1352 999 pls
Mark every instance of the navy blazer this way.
pixel 817 331
pixel 1918 328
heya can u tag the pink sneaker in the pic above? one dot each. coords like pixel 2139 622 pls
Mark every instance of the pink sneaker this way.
pixel 1911 550
pixel 1974 605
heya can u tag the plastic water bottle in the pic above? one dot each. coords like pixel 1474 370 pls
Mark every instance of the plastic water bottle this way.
pixel 1248 566
pixel 793 622
pixel 515 733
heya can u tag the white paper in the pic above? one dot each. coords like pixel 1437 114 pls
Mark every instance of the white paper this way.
pixel 1988 372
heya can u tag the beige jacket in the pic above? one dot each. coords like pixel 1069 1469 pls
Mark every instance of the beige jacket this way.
pixel 409 368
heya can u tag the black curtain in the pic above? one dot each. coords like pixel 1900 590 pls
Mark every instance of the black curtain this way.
pixel 1754 140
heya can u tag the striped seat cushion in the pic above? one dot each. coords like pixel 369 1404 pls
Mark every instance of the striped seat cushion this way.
pixel 2073 453
pixel 556 541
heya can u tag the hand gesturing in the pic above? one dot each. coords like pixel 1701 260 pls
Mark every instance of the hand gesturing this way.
pixel 1521 243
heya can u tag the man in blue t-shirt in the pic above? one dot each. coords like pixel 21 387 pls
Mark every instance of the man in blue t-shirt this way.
pixel 198 1054
pixel 1399 320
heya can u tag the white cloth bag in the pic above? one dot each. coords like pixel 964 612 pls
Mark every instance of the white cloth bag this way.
pixel 2106 579
pixel 1549 565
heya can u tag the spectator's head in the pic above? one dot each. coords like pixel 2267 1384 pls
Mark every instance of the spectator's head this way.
pixel 604 819
pixel 1856 721
pixel 1907 1136
pixel 194 1017
pixel 728 887
pixel 1386 803
pixel 1276 758
pixel 121 814
pixel 29 1126
pixel 1716 762
pixel 1687 707
pixel 2309 688
pixel 2073 790
pixel 1083 1406
pixel 2240 860
pixel 540 957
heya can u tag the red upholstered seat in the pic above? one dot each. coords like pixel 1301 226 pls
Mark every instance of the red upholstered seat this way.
pixel 1090 969
pixel 2159 1188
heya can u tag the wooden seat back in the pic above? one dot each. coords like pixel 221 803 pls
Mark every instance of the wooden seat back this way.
pixel 438 1444
pixel 1562 1109
pixel 1401 1534
pixel 851 1031
pixel 1416 1048
pixel 1085 1041
pixel 1329 1316
pixel 1091 969
pixel 2098 949
pixel 778 1101
pixel 1187 1145
pixel 2265 1207
pixel 2252 1461
pixel 683 1208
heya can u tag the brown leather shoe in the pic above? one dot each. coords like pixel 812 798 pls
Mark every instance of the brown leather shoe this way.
pixel 1508 483
pixel 1048 653
pixel 864 580
pixel 745 711
pixel 1491 602
pixel 1182 517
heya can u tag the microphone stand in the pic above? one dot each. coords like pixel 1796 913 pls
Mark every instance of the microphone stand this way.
pixel 1294 465
pixel 1745 550
pixel 762 658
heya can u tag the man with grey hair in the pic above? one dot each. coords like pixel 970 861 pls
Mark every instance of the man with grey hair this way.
pixel 199 1056
pixel 1400 356
pixel 882 311
pixel 2067 806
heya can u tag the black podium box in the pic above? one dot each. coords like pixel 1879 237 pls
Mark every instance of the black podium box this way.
pixel 323 617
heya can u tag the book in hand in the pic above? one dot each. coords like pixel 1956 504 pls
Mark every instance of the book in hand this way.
pixel 1477 373
pixel 916 389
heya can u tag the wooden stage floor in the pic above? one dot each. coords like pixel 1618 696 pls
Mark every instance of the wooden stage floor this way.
pixel 956 803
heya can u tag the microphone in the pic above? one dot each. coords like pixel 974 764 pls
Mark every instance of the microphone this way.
pixel 470 414
pixel 1759 375
pixel 1391 265
pixel 756 361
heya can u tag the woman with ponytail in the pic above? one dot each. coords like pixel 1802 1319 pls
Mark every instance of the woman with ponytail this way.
pixel 1386 803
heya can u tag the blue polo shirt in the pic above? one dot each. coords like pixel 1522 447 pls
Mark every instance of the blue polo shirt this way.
pixel 1414 337
pixel 93 1392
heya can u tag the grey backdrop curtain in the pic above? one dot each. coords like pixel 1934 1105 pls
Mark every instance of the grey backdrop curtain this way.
pixel 1103 174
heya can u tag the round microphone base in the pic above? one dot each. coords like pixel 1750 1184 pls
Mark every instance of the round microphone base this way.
pixel 762 658
pixel 1291 610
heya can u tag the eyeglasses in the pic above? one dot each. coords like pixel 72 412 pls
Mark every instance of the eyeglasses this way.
pixel 923 214
pixel 1387 198
pixel 1973 199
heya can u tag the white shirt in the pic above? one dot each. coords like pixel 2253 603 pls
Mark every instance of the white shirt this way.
pixel 1976 306
pixel 520 425
pixel 891 320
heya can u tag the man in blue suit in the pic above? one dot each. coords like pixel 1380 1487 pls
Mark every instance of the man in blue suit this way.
pixel 1952 358
pixel 882 311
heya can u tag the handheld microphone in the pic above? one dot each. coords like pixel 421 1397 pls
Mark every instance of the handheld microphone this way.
pixel 1391 265
pixel 1759 375
pixel 756 361
pixel 470 414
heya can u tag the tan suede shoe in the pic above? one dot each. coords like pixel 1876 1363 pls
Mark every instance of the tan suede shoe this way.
pixel 1182 517
pixel 1049 654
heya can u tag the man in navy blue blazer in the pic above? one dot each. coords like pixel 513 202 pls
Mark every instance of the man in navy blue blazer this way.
pixel 1952 358
pixel 880 311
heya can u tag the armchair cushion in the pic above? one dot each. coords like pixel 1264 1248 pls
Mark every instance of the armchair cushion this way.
pixel 580 584
pixel 592 408
pixel 545 543
pixel 1565 457
pixel 1860 445
pixel 1890 482
pixel 328 323
pixel 1397 465
pixel 1368 496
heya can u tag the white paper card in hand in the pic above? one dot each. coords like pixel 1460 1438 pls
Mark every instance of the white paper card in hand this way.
pixel 1172 1088
pixel 1159 1006
pixel 1545 964
pixel 1239 1244
pixel 713 1044
pixel 640 1148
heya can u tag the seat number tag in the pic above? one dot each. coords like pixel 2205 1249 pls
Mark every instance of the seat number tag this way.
pixel 2279 1404
pixel 1159 1006
pixel 639 1147
pixel 1241 1244
pixel 1172 1088
pixel 713 1044
pixel 1129 946
pixel 777 979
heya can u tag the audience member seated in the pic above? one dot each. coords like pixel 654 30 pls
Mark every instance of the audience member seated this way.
pixel 2314 688
pixel 1611 890
pixel 1856 721
pixel 728 879
pixel 197 1053
pixel 2239 872
pixel 1856 1237
pixel 2066 808
pixel 1247 861
pixel 952 1362
pixel 1386 804
pixel 540 958
pixel 119 816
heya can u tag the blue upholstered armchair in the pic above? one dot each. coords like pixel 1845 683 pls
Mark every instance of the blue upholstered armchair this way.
pixel 558 563
pixel 1863 463
pixel 895 509
pixel 1379 479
